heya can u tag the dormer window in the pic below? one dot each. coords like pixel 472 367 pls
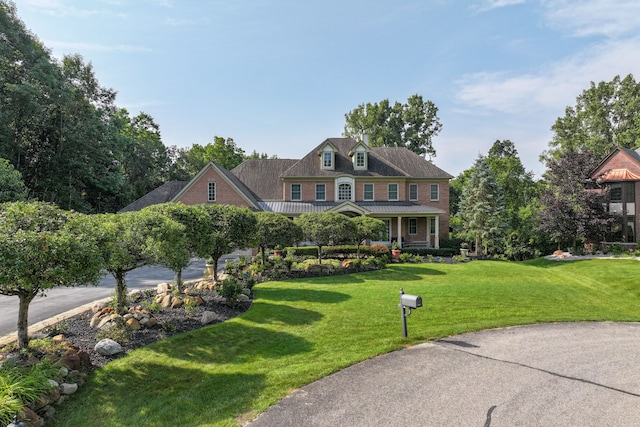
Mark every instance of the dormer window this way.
pixel 359 157
pixel 328 158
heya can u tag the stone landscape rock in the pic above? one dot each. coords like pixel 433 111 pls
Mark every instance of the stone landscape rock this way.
pixel 68 388
pixel 108 347
pixel 208 317
pixel 163 288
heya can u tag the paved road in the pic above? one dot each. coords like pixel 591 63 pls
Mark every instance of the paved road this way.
pixel 60 300
pixel 561 374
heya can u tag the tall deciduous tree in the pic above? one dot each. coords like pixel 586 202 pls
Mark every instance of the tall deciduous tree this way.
pixel 233 228
pixel 274 229
pixel 222 151
pixel 40 250
pixel 366 228
pixel 326 228
pixel 198 228
pixel 571 214
pixel 134 239
pixel 607 115
pixel 482 209
pixel 412 124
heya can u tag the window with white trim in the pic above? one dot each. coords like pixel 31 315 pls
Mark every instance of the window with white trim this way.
pixel 392 192
pixel 296 192
pixel 435 192
pixel 413 225
pixel 367 192
pixel 413 192
pixel 361 160
pixel 432 225
pixel 327 160
pixel 211 191
pixel 344 191
pixel 321 192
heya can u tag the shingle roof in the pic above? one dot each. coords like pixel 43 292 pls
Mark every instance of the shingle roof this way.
pixel 262 176
pixel 163 194
pixel 391 208
pixel 383 161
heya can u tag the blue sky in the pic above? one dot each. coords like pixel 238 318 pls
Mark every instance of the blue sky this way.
pixel 278 76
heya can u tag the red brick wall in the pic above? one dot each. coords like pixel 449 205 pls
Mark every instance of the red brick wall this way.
pixel 225 193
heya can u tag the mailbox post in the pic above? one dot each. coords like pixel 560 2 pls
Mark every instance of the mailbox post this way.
pixel 407 302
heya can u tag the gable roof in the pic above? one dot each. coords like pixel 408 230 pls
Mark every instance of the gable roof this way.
pixel 382 162
pixel 262 176
pixel 230 178
pixel 163 194
pixel 617 173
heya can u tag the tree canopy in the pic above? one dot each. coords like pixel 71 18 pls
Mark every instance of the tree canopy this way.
pixel 274 229
pixel 40 250
pixel 325 228
pixel 607 115
pixel 412 124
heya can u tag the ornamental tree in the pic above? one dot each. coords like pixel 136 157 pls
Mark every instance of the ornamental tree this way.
pixel 325 228
pixel 42 247
pixel 135 239
pixel 233 228
pixel 198 226
pixel 366 228
pixel 274 229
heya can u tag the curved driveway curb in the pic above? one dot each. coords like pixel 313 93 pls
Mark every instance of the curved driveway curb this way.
pixel 559 374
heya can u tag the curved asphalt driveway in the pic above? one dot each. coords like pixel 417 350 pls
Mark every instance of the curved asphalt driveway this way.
pixel 559 374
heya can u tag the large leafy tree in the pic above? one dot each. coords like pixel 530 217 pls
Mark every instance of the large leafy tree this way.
pixel 222 151
pixel 325 228
pixel 134 239
pixel 366 228
pixel 233 228
pixel 12 188
pixel 482 210
pixel 274 229
pixel 198 228
pixel 607 115
pixel 412 124
pixel 40 250
pixel 571 214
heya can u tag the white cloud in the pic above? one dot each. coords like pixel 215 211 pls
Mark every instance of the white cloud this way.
pixel 593 17
pixel 487 5
pixel 551 86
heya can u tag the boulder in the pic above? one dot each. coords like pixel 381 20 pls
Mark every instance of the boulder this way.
pixel 108 347
pixel 134 324
pixel 163 288
pixel 98 306
pixel 177 303
pixel 208 317
pixel 166 301
pixel 68 388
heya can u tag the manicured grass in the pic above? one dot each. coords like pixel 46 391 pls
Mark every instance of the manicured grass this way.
pixel 300 331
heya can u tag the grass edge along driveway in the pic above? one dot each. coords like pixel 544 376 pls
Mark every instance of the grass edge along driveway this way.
pixel 301 330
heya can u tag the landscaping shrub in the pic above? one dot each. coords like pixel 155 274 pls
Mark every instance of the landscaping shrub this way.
pixel 425 252
pixel 379 250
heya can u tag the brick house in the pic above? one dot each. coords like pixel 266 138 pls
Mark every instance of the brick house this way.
pixel 407 192
pixel 619 173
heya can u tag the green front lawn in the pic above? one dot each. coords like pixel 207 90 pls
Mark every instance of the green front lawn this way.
pixel 302 330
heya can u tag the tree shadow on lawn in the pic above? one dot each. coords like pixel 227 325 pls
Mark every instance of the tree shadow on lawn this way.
pixel 145 394
pixel 299 294
pixel 230 343
pixel 404 272
pixel 264 313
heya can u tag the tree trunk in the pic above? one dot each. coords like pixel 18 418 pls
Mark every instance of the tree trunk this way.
pixel 215 269
pixel 179 280
pixel 23 319
pixel 121 291
pixel 479 251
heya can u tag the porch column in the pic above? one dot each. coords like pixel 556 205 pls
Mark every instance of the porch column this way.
pixel 400 231
pixel 437 232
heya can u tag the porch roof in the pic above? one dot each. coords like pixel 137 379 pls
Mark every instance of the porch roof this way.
pixel 374 208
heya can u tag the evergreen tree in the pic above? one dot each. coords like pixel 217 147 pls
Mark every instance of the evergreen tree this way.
pixel 482 210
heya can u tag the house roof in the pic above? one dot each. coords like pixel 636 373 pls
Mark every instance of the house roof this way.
pixel 163 194
pixel 391 208
pixel 618 175
pixel 601 170
pixel 262 176
pixel 382 162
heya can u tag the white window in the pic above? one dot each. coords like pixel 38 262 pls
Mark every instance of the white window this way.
pixel 296 192
pixel 344 191
pixel 327 160
pixel 367 193
pixel 321 192
pixel 413 191
pixel 435 192
pixel 413 225
pixel 211 191
pixel 392 192
pixel 361 160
